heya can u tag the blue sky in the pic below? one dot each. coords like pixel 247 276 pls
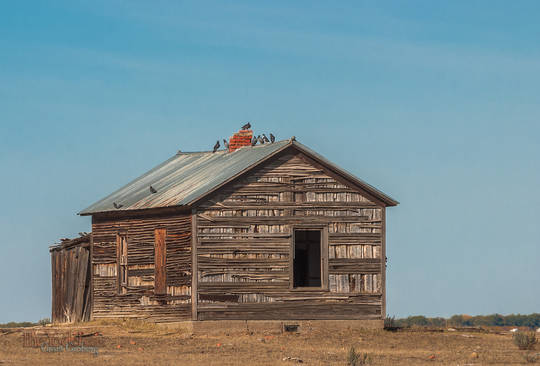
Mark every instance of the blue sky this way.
pixel 437 104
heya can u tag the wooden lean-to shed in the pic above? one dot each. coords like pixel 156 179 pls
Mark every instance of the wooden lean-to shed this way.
pixel 272 231
pixel 71 288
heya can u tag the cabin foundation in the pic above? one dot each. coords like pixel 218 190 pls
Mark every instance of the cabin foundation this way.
pixel 238 327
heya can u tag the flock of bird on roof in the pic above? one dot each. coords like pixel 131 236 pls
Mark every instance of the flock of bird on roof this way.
pixel 261 139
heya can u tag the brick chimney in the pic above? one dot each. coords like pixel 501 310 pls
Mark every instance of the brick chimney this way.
pixel 240 139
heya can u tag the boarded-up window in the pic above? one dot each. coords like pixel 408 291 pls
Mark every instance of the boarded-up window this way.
pixel 160 261
pixel 122 260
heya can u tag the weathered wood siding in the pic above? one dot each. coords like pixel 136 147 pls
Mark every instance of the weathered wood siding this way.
pixel 71 282
pixel 244 242
pixel 141 299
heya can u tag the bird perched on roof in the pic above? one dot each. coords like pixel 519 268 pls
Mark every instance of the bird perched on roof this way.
pixel 272 138
pixel 254 141
pixel 225 143
pixel 216 146
pixel 152 190
pixel 260 139
pixel 265 138
pixel 247 126
pixel 117 205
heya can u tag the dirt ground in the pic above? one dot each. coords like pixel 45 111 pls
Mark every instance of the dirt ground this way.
pixel 135 343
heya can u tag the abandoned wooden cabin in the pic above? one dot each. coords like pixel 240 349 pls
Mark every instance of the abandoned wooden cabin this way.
pixel 272 231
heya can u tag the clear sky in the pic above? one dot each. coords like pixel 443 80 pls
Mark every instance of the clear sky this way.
pixel 435 103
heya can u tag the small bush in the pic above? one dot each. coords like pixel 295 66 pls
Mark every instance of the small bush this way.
pixel 389 322
pixel 531 358
pixel 524 340
pixel 355 359
pixel 44 321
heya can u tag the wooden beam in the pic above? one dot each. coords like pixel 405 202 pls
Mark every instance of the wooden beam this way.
pixel 337 206
pixel 118 251
pixel 287 218
pixel 324 258
pixel 194 266
pixel 53 289
pixel 160 261
pixel 383 264
pixel 91 289
pixel 291 258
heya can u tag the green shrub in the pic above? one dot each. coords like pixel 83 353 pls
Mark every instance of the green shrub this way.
pixel 524 340
pixel 514 320
pixel 390 322
pixel 355 359
pixel 44 321
pixel 17 325
pixel 531 358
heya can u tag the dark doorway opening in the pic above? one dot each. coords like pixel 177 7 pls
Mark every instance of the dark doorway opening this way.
pixel 307 258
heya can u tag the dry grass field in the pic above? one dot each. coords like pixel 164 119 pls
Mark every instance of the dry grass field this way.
pixel 137 343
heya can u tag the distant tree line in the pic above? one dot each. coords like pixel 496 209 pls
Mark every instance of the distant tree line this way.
pixel 44 321
pixel 515 320
pixel 17 325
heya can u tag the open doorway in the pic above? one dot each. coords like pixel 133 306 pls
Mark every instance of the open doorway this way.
pixel 307 258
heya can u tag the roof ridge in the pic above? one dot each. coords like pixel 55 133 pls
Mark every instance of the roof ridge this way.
pixel 187 177
pixel 226 151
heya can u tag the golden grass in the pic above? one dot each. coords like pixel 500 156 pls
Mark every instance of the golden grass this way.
pixel 133 342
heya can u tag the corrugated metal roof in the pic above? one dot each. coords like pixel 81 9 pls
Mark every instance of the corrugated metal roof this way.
pixel 186 177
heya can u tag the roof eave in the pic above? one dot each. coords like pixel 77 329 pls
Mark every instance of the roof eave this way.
pixel 137 211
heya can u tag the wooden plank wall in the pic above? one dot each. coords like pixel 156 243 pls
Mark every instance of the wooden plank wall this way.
pixel 70 284
pixel 244 238
pixel 140 300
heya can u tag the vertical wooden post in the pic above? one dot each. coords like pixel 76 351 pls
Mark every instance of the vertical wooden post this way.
pixel 53 288
pixel 91 263
pixel 59 303
pixel 194 266
pixel 122 262
pixel 64 262
pixel 287 212
pixel 324 257
pixel 383 263
pixel 291 257
pixel 118 266
pixel 160 261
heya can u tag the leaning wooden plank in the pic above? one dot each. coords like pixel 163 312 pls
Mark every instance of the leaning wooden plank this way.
pixel 81 282
pixel 53 286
